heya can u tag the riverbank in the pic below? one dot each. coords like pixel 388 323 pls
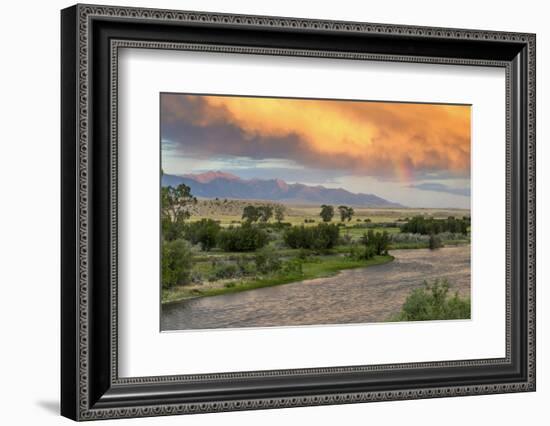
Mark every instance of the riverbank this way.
pixel 315 268
pixel 353 296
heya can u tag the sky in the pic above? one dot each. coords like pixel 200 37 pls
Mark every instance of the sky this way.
pixel 411 153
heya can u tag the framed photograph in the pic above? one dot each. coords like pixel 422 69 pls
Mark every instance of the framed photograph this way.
pixel 263 212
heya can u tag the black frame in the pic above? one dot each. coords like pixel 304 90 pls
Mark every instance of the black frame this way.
pixel 91 37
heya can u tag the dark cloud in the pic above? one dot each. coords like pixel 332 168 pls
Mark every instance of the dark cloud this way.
pixel 180 132
pixel 389 141
pixel 226 139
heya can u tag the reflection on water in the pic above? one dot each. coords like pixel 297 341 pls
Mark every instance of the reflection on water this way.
pixel 354 296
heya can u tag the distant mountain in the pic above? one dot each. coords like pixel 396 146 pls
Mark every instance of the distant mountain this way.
pixel 210 176
pixel 215 184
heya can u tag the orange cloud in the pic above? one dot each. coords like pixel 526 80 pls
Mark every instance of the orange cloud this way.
pixel 402 137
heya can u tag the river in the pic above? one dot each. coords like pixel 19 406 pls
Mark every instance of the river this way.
pixel 360 295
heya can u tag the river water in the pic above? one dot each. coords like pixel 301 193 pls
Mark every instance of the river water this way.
pixel 353 296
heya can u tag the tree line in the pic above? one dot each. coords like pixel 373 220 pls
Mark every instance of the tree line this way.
pixel 263 214
pixel 327 213
pixel 429 226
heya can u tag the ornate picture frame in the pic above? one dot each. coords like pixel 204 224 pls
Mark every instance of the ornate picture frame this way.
pixel 91 37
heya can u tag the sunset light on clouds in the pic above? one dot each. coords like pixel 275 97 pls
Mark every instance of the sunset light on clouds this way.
pixel 397 146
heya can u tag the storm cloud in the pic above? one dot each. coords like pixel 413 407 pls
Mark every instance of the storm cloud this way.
pixel 388 140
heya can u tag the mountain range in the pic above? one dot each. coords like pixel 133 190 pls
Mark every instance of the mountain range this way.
pixel 216 184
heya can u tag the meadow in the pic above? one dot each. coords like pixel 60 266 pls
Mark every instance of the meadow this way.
pixel 228 211
pixel 238 245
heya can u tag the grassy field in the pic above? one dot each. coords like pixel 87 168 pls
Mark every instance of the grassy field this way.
pixel 316 268
pixel 229 212
pixel 377 215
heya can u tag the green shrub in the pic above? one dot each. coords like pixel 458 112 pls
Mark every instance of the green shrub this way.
pixel 296 236
pixel 361 252
pixel 345 240
pixel 172 230
pixel 426 226
pixel 435 242
pixel 378 241
pixel 267 261
pixel 204 232
pixel 176 263
pixel 245 267
pixel 224 270
pixel 451 236
pixel 196 277
pixel 432 302
pixel 292 266
pixel 320 237
pixel 233 267
pixel 303 254
pixel 406 237
pixel 244 238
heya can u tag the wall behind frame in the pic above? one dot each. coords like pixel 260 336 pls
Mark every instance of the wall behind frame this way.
pixel 29 217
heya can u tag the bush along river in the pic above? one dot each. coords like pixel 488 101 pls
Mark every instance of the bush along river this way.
pixel 362 295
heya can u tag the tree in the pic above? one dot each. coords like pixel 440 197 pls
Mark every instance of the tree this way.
pixel 279 212
pixel 327 213
pixel 379 241
pixel 351 212
pixel 176 203
pixel 346 213
pixel 343 212
pixel 204 232
pixel 267 261
pixel 243 238
pixel 321 237
pixel 427 226
pixel 265 213
pixel 172 230
pixel 176 263
pixel 250 214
